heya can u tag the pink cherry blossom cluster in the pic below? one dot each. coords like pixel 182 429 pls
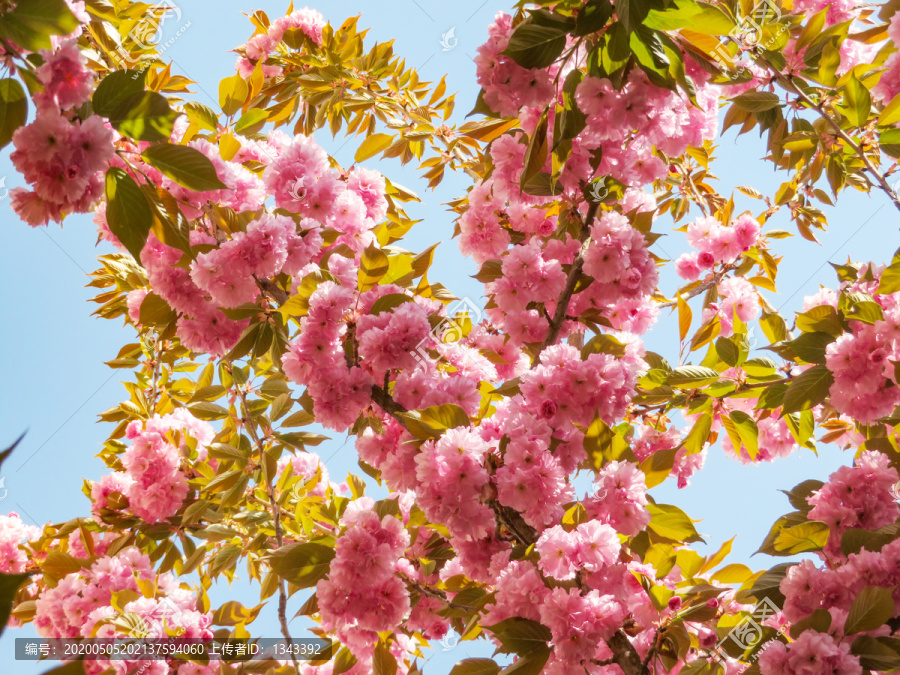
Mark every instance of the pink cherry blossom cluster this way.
pixel 80 605
pixel 888 85
pixel 260 46
pixel 316 359
pixel 737 299
pixel 566 389
pixel 270 245
pixel 864 496
pixel 620 498
pixel 716 243
pixel 533 480
pixel 13 532
pixel 153 481
pixel 507 86
pixel 300 179
pixel 60 156
pixel 626 125
pixel 362 596
pixel 590 546
pixel 865 383
pixel 812 653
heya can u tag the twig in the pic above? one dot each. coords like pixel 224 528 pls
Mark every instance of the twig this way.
pixel 559 316
pixel 788 83
pixel 276 516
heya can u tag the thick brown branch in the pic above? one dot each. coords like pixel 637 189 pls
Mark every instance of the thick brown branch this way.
pixel 626 655
pixel 272 289
pixel 562 307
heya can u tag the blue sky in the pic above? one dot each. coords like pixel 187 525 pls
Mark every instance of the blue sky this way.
pixel 52 351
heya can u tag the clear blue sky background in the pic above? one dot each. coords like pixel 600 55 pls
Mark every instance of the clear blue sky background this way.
pixel 52 351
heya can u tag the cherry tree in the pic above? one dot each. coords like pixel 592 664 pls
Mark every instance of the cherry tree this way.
pixel 513 453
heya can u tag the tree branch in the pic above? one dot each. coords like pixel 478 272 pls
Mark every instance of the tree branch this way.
pixel 562 307
pixel 276 517
pixel 788 83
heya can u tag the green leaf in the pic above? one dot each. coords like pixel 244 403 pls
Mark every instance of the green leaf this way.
pixel 854 540
pixel 302 564
pixel 801 492
pixel 233 93
pixel 520 636
pixel 389 302
pixel 115 88
pixel 871 609
pixel 881 654
pixel 144 116
pixel 761 366
pixel 372 145
pixel 699 17
pixel 533 46
pixel 810 536
pixel 699 434
pixel 890 278
pixel 811 346
pixel 13 109
pixel 343 662
pixel 732 350
pixel 155 311
pixel 756 101
pixel 127 211
pixel 186 166
pixel 592 17
pixel 373 265
pixel 672 523
pixel 476 667
pixel 383 662
pixel 224 559
pixel 747 430
pixel 31 23
pixel 768 585
pixel 251 122
pixel 202 114
pixel 434 421
pixel 631 13
pixel 809 389
pixel 857 102
pixel 658 466
pixel 822 318
pixel 9 585
pixel 207 411
pixel 692 377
